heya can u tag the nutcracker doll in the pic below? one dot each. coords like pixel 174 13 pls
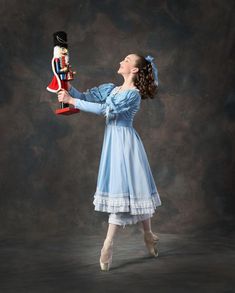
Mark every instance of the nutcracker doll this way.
pixel 62 70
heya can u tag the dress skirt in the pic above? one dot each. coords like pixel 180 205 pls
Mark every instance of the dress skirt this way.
pixel 125 184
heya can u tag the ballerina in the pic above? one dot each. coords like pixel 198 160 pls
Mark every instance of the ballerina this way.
pixel 126 189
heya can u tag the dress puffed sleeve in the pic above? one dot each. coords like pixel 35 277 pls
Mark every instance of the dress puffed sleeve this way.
pixel 111 107
pixel 97 94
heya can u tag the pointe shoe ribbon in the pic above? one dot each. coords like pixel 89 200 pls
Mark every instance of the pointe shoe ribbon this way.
pixel 150 240
pixel 155 237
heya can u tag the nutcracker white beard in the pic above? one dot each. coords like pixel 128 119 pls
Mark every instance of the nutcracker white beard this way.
pixel 61 51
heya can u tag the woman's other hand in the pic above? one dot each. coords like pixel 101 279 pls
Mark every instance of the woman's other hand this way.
pixel 64 97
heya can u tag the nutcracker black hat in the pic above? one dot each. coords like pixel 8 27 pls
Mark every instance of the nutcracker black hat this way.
pixel 60 39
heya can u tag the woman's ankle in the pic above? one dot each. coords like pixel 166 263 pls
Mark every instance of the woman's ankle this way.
pixel 148 232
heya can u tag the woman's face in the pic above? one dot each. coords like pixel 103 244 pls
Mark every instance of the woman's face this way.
pixel 127 65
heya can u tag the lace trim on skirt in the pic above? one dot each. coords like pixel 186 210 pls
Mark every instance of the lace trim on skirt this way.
pixel 126 204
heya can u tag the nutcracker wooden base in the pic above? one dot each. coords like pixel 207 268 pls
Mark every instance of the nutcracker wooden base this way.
pixel 67 111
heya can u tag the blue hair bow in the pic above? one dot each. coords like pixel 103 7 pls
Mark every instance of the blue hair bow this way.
pixel 155 71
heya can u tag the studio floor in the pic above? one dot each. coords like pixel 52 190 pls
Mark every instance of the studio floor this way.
pixel 186 263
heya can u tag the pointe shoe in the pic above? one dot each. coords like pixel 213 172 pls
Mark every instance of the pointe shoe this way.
pixel 150 240
pixel 108 245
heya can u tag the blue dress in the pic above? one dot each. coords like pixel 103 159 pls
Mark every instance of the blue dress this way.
pixel 125 184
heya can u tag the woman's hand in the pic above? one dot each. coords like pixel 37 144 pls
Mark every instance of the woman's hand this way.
pixel 64 97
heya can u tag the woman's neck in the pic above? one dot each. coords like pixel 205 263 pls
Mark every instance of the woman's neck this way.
pixel 127 84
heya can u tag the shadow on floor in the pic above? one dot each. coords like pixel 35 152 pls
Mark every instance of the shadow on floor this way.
pixel 186 263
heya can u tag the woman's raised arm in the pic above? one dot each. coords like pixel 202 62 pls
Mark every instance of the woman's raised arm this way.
pixel 96 94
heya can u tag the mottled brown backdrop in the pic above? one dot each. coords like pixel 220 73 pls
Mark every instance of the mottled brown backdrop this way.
pixel 49 164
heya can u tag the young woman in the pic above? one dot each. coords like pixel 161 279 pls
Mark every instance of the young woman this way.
pixel 125 185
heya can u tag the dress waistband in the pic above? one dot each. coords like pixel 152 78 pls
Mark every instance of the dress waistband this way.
pixel 127 123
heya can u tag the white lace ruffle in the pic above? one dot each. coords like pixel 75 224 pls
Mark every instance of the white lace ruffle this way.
pixel 126 204
pixel 127 219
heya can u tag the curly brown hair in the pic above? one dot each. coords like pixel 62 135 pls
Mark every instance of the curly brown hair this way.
pixel 144 79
